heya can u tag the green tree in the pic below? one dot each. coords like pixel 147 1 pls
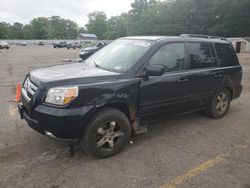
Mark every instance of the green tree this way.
pixel 40 28
pixel 117 26
pixel 231 18
pixel 17 31
pixel 5 30
pixel 81 30
pixel 97 24
pixel 62 28
pixel 146 17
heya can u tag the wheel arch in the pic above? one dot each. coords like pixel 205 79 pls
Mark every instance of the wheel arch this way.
pixel 231 91
pixel 123 107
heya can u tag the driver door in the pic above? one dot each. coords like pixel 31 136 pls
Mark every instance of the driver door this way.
pixel 166 93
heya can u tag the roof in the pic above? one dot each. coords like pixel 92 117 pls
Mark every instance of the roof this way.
pixel 154 38
pixel 240 39
pixel 178 38
pixel 247 38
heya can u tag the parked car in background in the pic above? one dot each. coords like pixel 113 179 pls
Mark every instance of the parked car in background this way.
pixel 74 45
pixel 40 43
pixel 132 81
pixel 60 44
pixel 88 51
pixel 4 45
pixel 24 44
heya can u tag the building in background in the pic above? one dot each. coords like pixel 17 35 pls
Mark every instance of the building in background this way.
pixel 87 36
pixel 241 45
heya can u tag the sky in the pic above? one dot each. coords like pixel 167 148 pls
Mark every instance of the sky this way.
pixel 24 11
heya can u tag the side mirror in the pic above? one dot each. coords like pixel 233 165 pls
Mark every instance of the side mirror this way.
pixel 154 70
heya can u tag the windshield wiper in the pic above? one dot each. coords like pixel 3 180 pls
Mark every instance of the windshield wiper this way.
pixel 97 65
pixel 104 68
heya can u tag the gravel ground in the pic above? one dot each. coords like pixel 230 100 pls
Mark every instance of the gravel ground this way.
pixel 189 151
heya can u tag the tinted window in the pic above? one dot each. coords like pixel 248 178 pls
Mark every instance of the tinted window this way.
pixel 200 56
pixel 226 55
pixel 171 56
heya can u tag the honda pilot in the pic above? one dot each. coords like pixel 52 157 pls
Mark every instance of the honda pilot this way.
pixel 103 101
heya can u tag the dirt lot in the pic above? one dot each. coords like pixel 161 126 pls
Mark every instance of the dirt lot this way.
pixel 190 151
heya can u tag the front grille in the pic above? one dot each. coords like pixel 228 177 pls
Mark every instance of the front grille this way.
pixel 29 89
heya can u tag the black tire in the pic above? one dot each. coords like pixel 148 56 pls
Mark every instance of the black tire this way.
pixel 98 138
pixel 218 109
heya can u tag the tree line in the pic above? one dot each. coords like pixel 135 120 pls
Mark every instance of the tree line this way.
pixel 53 27
pixel 228 18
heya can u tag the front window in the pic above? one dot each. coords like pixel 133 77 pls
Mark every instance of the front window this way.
pixel 120 55
pixel 171 56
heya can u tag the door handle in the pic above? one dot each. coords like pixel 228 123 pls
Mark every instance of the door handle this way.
pixel 183 80
pixel 218 75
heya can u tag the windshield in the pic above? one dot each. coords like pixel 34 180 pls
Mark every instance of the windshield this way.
pixel 120 55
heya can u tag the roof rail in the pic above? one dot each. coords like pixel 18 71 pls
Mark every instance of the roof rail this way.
pixel 203 36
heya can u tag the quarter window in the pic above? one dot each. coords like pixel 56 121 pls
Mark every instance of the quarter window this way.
pixel 226 55
pixel 200 56
pixel 171 56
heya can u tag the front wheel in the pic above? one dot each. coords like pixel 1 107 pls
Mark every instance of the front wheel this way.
pixel 219 105
pixel 107 133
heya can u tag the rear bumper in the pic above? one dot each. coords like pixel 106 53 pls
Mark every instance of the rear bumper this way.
pixel 59 124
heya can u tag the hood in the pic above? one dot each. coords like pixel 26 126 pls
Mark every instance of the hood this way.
pixel 72 73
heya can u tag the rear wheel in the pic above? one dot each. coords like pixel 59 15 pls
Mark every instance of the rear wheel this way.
pixel 107 133
pixel 219 105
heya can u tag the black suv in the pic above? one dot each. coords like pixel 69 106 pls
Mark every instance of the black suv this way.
pixel 101 102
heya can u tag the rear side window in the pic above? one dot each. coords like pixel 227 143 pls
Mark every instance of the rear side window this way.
pixel 200 55
pixel 226 55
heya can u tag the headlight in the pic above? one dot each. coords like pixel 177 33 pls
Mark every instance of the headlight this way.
pixel 61 95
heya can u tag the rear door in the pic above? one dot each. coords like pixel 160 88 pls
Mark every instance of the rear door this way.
pixel 204 74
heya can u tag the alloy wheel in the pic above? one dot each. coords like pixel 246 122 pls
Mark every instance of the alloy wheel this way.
pixel 108 135
pixel 222 102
